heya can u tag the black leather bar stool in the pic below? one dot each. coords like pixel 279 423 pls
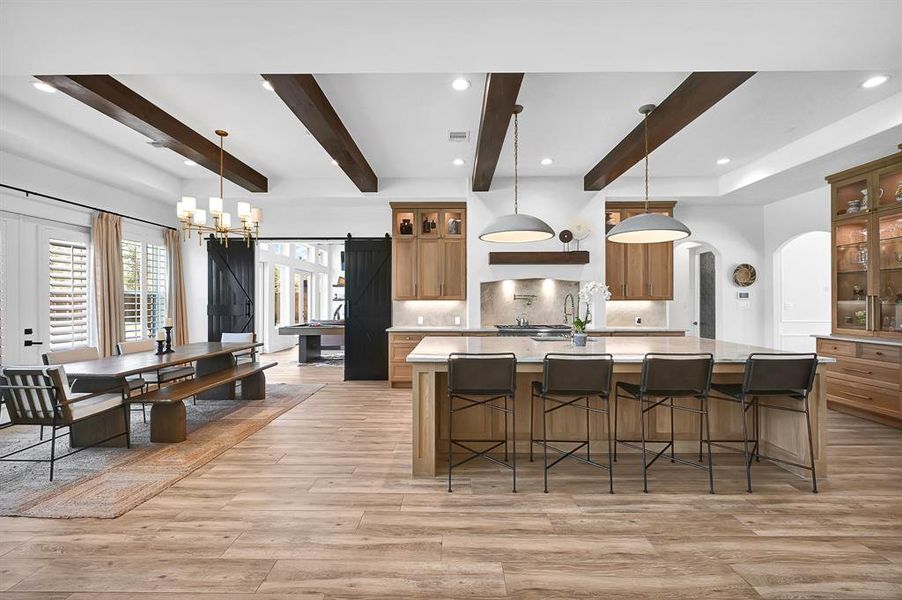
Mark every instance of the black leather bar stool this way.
pixel 567 381
pixel 483 380
pixel 666 377
pixel 771 375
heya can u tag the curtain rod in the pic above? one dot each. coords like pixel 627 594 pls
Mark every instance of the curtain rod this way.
pixel 80 205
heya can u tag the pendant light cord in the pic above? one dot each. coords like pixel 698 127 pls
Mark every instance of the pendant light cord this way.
pixel 646 161
pixel 221 156
pixel 516 159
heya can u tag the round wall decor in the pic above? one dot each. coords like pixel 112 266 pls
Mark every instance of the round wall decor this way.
pixel 744 275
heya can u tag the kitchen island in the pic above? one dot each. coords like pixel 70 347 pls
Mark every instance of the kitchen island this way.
pixel 782 435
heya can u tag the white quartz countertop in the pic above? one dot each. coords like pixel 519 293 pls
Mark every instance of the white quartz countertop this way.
pixel 625 349
pixel 439 329
pixel 462 329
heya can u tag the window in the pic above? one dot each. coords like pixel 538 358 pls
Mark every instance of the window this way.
pixel 301 297
pixel 68 285
pixel 277 295
pixel 301 251
pixel 145 286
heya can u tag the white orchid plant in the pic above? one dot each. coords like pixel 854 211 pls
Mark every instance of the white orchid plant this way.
pixel 589 291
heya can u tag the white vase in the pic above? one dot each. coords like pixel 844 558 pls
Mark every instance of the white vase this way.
pixel 579 339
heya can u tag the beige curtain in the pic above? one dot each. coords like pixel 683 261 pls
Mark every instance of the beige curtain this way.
pixel 106 234
pixel 178 306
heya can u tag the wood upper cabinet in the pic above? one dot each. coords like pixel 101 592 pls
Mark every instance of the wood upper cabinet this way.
pixel 866 209
pixel 430 251
pixel 638 271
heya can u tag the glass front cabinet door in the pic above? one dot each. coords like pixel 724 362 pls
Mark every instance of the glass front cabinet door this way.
pixel 889 273
pixel 851 290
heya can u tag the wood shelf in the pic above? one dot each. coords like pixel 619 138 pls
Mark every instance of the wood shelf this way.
pixel 575 257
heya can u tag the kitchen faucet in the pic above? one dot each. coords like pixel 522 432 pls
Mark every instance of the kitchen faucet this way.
pixel 572 311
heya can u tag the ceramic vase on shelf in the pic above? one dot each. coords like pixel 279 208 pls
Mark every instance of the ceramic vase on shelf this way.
pixel 579 339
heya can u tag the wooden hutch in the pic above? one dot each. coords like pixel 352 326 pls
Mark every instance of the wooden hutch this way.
pixel 866 212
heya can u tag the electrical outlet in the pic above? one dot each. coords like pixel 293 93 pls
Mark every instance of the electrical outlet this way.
pixel 457 320
pixel 419 320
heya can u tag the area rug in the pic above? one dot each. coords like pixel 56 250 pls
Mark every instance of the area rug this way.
pixel 107 482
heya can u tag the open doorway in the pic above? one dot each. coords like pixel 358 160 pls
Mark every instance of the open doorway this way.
pixel 301 290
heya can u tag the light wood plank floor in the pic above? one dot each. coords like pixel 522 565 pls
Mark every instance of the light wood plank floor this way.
pixel 320 504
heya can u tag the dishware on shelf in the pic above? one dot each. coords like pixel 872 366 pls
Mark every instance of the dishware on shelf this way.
pixel 406 227
pixel 857 292
pixel 899 191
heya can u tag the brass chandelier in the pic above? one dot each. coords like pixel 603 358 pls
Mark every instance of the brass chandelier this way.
pixel 192 218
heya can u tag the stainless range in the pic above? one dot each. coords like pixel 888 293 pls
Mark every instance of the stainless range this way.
pixel 557 331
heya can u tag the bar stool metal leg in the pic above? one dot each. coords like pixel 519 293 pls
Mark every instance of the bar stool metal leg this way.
pixel 532 403
pixel 746 458
pixel 704 403
pixel 450 438
pixel 545 442
pixel 642 435
pixel 611 446
pixel 513 439
pixel 613 415
pixel 506 437
pixel 672 451
pixel 810 447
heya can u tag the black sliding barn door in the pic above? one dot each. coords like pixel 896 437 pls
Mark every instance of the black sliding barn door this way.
pixel 367 308
pixel 230 288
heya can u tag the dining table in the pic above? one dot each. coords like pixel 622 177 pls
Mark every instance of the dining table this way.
pixel 111 372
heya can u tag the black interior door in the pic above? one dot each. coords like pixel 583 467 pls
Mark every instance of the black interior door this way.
pixel 367 307
pixel 230 288
pixel 706 293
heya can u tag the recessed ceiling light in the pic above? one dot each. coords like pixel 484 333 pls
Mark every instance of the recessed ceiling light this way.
pixel 723 161
pixel 460 84
pixel 267 85
pixel 875 81
pixel 546 161
pixel 190 162
pixel 44 87
pixel 334 162
pixel 458 162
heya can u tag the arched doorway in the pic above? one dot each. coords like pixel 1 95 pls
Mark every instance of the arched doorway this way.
pixel 802 291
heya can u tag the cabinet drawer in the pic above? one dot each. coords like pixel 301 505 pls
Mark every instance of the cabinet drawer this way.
pixel 398 352
pixel 416 338
pixel 836 348
pixel 864 371
pixel 400 372
pixel 864 396
pixel 880 352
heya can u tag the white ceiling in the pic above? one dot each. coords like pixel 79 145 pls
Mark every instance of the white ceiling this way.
pixel 401 122
pixel 446 36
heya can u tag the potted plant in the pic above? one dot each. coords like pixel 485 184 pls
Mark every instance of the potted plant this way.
pixel 588 291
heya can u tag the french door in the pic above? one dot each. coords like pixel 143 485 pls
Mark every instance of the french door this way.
pixel 45 301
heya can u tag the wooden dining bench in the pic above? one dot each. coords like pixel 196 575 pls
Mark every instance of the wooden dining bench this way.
pixel 167 414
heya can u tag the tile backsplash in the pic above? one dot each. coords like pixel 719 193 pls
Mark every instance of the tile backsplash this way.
pixel 539 300
pixel 623 313
pixel 435 313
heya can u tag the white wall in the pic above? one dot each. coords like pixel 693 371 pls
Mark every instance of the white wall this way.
pixel 786 219
pixel 736 233
pixel 31 175
pixel 557 201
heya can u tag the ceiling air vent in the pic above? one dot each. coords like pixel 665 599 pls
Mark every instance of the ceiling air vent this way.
pixel 458 136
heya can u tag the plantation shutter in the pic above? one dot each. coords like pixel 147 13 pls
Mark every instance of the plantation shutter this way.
pixel 68 279
pixel 155 284
pixel 131 288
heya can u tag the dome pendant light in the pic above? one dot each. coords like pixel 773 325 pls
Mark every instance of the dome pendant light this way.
pixel 516 227
pixel 648 228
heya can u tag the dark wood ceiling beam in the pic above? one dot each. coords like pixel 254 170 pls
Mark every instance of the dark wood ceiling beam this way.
pixel 699 92
pixel 499 98
pixel 116 100
pixel 306 99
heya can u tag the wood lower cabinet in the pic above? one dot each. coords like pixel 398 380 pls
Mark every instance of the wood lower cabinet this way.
pixel 429 246
pixel 400 372
pixel 865 380
pixel 638 271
